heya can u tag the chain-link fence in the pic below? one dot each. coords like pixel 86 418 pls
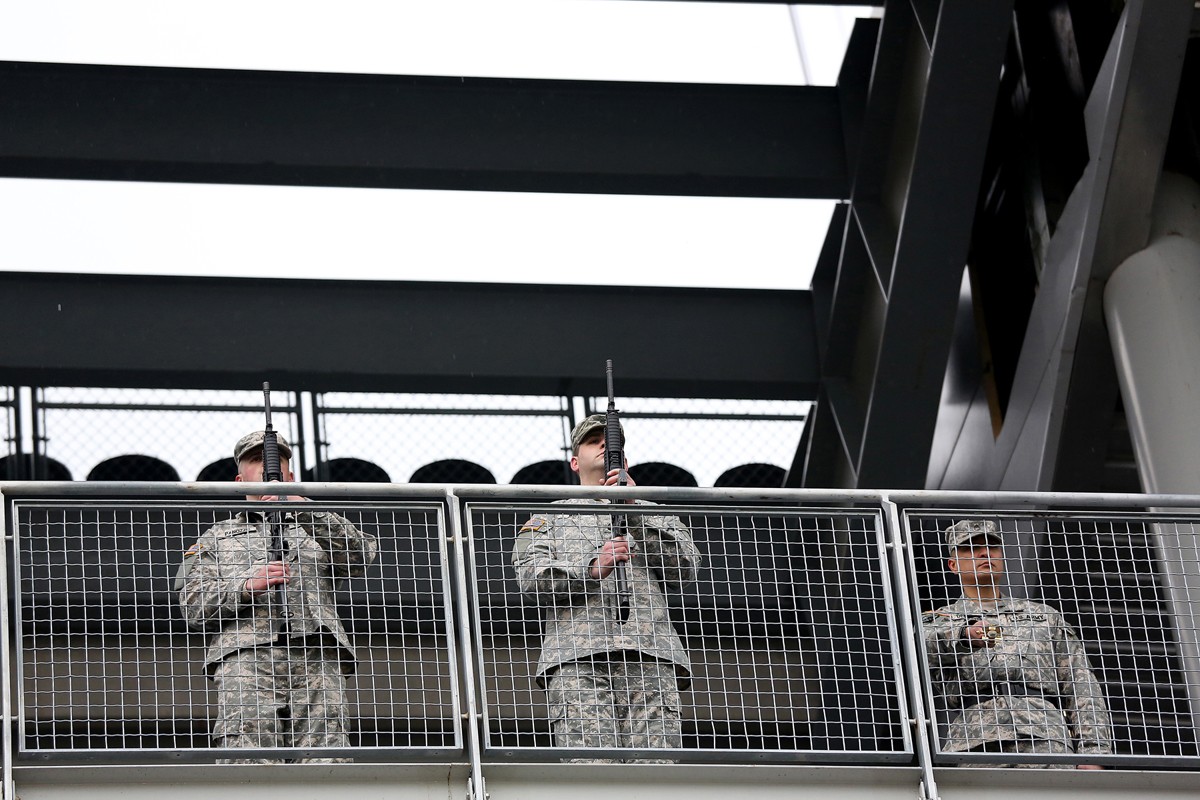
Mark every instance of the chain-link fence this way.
pixel 1059 636
pixel 446 438
pixel 711 442
pixel 151 434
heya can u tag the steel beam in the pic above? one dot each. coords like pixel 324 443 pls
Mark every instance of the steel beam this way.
pixel 75 121
pixel 1129 118
pixel 893 303
pixel 87 330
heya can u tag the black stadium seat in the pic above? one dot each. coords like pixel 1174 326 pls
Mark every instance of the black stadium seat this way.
pixel 133 467
pixel 452 470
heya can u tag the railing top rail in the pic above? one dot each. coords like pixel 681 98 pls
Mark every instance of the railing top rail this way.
pixel 682 495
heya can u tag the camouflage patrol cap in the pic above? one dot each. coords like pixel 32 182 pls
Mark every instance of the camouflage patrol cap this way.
pixel 585 428
pixel 254 440
pixel 965 530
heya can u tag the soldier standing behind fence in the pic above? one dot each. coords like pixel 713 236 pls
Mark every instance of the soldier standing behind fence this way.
pixel 1013 669
pixel 609 683
pixel 280 675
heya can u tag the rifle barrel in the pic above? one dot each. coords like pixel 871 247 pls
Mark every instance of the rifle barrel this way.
pixel 614 458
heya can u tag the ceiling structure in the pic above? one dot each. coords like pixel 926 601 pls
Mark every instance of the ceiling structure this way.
pixel 1015 139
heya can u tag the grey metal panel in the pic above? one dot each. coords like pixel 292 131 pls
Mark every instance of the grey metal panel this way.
pixel 86 330
pixel 854 82
pixel 429 781
pixel 534 782
pixel 1004 784
pixel 239 126
pixel 698 782
pixel 962 398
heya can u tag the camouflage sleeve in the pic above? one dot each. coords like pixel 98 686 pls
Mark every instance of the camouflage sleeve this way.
pixel 350 550
pixel 1082 695
pixel 667 546
pixel 942 631
pixel 207 597
pixel 540 567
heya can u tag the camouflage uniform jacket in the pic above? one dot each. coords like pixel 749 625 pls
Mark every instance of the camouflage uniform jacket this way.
pixel 553 557
pixel 321 547
pixel 1033 682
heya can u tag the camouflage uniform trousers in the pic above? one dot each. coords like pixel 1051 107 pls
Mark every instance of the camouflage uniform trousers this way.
pixel 1035 746
pixel 282 696
pixel 617 703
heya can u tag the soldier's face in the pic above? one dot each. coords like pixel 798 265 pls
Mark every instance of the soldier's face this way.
pixel 589 461
pixel 250 469
pixel 978 564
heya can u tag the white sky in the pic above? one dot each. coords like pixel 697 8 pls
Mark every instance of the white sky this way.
pixel 269 231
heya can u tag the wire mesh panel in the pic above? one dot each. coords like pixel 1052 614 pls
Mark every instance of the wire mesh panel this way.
pixel 728 632
pixel 1059 639
pixel 252 631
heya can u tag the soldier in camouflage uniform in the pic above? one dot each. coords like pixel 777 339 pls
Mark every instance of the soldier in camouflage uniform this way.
pixel 608 683
pixel 280 682
pixel 1013 669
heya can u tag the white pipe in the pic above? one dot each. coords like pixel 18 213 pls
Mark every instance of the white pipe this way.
pixel 1152 304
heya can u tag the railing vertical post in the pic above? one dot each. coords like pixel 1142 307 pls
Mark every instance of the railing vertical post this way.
pixel 924 733
pixel 476 789
pixel 7 791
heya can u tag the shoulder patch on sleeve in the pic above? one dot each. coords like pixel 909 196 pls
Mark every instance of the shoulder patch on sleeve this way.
pixel 533 524
pixel 185 569
pixel 193 550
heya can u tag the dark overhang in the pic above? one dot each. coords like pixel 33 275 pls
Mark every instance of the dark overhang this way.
pixel 73 121
pixel 98 330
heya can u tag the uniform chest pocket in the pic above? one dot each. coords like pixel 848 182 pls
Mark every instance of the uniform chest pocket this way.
pixel 1032 628
pixel 241 545
pixel 580 538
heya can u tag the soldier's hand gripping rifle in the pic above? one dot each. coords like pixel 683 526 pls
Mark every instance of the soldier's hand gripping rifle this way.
pixel 614 458
pixel 273 471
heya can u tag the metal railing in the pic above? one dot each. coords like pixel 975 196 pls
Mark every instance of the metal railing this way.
pixel 753 634
pixel 1098 625
pixel 807 631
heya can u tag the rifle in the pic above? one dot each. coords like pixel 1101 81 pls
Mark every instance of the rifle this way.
pixel 273 471
pixel 614 458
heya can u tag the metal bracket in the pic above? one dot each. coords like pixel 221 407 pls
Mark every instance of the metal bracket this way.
pixel 481 794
